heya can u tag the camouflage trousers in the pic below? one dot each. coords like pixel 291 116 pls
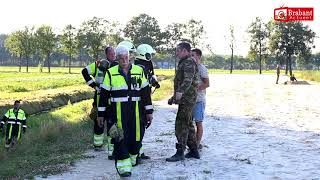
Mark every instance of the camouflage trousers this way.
pixel 184 128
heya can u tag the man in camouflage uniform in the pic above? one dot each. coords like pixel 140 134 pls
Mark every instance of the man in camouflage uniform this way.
pixel 185 94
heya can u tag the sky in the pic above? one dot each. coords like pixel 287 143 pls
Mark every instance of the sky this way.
pixel 216 15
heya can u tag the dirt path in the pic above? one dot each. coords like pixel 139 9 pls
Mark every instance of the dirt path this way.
pixel 254 129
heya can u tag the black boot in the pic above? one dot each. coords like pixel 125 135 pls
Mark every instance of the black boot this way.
pixel 179 156
pixel 126 174
pixel 194 153
pixel 143 156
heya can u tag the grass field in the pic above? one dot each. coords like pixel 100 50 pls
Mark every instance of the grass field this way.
pixel 45 70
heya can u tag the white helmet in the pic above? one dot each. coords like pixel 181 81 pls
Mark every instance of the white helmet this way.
pixel 128 45
pixel 145 52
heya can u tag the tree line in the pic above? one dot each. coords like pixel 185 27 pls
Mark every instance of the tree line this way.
pixel 271 43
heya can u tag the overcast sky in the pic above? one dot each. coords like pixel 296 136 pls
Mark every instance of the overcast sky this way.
pixel 216 15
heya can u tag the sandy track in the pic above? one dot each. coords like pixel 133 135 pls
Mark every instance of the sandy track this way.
pixel 254 129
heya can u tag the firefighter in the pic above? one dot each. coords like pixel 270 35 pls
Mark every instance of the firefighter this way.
pixel 97 70
pixel 127 88
pixel 143 59
pixel 16 122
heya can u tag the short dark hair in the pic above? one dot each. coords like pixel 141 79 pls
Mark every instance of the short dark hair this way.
pixel 17 101
pixel 107 49
pixel 184 45
pixel 197 51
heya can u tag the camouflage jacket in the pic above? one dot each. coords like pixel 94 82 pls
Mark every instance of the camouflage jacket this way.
pixel 186 80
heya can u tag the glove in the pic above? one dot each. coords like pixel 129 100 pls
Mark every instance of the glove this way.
pixel 149 120
pixel 171 100
pixel 24 130
pixel 93 113
pixel 116 133
pixel 100 121
pixel 93 85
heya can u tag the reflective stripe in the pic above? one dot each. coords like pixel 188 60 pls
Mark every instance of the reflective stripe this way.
pixel 11 122
pixel 102 108
pixel 123 170
pixel 124 166
pixel 125 162
pixel 135 88
pixel 141 151
pixel 19 133
pixel 119 88
pixel 137 122
pixel 98 139
pixel 18 122
pixel 119 120
pixel 24 126
pixel 135 98
pixel 10 131
pixel 148 107
pixel 2 122
pixel 144 84
pixel 121 99
pixel 105 87
pixel 90 82
pixel 110 149
pixel 133 159
pixel 88 69
pixel 124 99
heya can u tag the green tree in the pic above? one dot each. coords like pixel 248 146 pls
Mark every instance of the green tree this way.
pixel 114 35
pixel 68 41
pixel 258 42
pixel 22 43
pixel 14 44
pixel 172 35
pixel 291 39
pixel 144 29
pixel 46 42
pixel 194 32
pixel 92 35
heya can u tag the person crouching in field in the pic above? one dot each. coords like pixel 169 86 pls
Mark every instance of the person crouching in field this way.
pixel 16 122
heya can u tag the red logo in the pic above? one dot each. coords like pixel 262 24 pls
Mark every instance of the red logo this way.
pixel 286 14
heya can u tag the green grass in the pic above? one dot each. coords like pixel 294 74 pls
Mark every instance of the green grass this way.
pixel 166 89
pixel 53 141
pixel 308 75
pixel 36 69
pixel 23 82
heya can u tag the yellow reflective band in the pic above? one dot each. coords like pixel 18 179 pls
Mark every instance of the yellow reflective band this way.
pixel 10 131
pixel 119 120
pixel 19 133
pixel 137 122
pixel 133 159
pixel 98 139
pixel 124 162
